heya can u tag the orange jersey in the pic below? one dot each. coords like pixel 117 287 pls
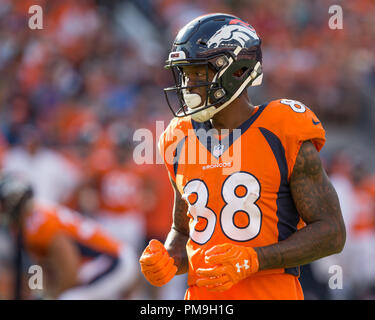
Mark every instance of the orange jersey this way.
pixel 46 221
pixel 237 188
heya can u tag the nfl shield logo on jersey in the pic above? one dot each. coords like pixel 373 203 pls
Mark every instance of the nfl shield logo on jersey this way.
pixel 218 150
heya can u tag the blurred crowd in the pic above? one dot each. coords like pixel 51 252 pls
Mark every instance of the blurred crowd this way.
pixel 351 273
pixel 73 93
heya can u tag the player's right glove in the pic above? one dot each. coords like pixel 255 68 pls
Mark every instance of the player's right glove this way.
pixel 156 264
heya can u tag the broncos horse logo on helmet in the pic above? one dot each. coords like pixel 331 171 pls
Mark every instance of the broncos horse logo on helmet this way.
pixel 224 43
pixel 230 35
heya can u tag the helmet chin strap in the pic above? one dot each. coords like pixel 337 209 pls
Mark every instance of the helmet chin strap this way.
pixel 204 115
pixel 207 113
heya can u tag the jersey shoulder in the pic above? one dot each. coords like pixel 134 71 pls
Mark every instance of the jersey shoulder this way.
pixel 40 226
pixel 288 110
pixel 170 140
pixel 176 130
pixel 292 119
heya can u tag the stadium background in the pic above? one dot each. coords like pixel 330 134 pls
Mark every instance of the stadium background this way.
pixel 72 94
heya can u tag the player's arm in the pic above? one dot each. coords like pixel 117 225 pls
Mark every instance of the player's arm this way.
pixel 318 205
pixel 63 260
pixel 160 263
pixel 179 234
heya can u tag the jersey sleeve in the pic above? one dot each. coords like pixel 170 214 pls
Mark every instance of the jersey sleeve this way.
pixel 298 124
pixel 40 230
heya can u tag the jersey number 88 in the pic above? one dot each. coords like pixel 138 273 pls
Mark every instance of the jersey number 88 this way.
pixel 234 203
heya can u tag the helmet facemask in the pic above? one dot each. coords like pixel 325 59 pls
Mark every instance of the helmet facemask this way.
pixel 190 103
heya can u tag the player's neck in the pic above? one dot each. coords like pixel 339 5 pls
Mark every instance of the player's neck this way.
pixel 232 116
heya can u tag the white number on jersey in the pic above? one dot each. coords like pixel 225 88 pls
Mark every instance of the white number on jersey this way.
pixel 233 204
pixel 295 105
pixel 245 203
pixel 199 209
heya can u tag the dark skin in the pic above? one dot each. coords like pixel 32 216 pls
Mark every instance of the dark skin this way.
pixel 313 194
pixel 318 205
pixel 179 234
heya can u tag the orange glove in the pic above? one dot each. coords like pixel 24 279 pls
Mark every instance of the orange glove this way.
pixel 156 264
pixel 232 264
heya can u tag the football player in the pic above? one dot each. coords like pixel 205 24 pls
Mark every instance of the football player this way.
pixel 121 192
pixel 79 261
pixel 261 205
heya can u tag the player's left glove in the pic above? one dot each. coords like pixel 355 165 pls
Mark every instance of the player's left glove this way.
pixel 232 264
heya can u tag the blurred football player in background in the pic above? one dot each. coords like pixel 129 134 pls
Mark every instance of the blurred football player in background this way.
pixel 42 166
pixel 78 259
pixel 242 234
pixel 123 191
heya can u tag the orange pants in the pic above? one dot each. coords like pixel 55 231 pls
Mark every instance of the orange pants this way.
pixel 257 287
